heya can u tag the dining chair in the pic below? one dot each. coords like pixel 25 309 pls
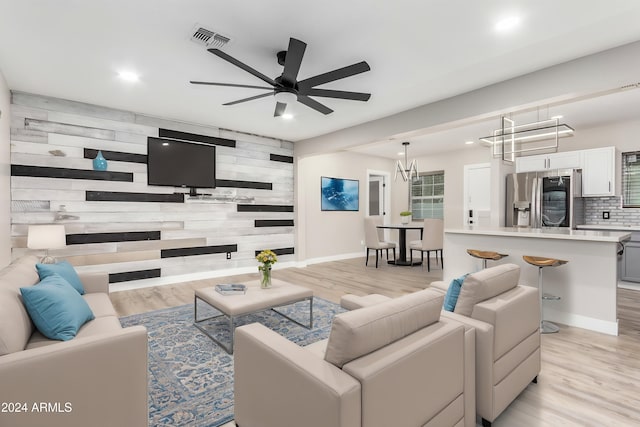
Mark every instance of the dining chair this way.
pixel 432 240
pixel 372 238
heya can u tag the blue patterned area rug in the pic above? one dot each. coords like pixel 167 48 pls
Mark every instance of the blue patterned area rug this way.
pixel 191 377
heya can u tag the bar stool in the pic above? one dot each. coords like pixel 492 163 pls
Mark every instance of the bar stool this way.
pixel 486 255
pixel 541 262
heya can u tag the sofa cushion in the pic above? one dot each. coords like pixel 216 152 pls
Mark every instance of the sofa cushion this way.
pixel 485 284
pixel 64 270
pixel 453 292
pixel 359 332
pixel 56 308
pixel 15 323
pixel 100 304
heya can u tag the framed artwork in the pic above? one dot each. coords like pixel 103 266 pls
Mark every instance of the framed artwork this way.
pixel 338 194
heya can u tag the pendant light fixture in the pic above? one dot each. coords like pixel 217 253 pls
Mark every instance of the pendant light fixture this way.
pixel 407 171
pixel 511 140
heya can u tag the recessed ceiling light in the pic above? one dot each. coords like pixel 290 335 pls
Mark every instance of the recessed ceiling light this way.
pixel 129 76
pixel 287 116
pixel 557 117
pixel 401 153
pixel 507 23
pixel 469 142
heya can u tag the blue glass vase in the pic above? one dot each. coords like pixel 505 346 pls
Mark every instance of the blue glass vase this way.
pixel 100 163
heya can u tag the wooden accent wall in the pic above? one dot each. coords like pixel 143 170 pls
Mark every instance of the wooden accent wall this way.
pixel 114 221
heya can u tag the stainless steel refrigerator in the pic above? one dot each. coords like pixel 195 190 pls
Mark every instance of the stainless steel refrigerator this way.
pixel 544 199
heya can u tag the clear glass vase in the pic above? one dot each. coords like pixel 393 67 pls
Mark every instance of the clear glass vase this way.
pixel 265 277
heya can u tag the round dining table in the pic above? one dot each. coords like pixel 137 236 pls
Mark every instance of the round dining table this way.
pixel 402 233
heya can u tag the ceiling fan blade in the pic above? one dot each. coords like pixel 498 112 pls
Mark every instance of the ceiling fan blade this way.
pixel 251 98
pixel 295 52
pixel 340 94
pixel 228 84
pixel 340 73
pixel 243 66
pixel 280 108
pixel 312 103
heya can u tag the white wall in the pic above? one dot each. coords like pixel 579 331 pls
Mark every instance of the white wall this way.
pixel 452 163
pixel 323 235
pixel 326 234
pixel 5 170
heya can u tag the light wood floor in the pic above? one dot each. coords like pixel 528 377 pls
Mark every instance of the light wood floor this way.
pixel 587 378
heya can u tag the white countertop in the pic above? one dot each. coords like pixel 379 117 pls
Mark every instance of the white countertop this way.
pixel 610 227
pixel 545 233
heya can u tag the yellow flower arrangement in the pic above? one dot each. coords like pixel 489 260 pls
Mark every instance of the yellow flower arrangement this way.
pixel 266 258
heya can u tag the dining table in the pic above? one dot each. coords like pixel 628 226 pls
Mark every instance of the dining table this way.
pixel 402 233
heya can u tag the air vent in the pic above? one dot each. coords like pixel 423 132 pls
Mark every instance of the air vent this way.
pixel 631 86
pixel 208 38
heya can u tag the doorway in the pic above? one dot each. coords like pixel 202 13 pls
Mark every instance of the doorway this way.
pixel 477 194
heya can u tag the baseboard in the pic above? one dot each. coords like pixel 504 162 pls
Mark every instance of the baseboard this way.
pixel 171 280
pixel 629 285
pixel 320 260
pixel 584 322
pixel 180 278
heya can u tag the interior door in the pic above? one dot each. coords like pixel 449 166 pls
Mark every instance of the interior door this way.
pixel 376 195
pixel 477 194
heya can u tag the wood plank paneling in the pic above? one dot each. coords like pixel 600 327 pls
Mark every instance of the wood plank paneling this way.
pixel 66 173
pixel 52 144
pixel 280 158
pixel 119 196
pixel 127 236
pixel 134 275
pixel 200 250
pixel 204 139
pixel 90 153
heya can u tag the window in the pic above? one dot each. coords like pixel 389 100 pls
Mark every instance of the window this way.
pixel 631 180
pixel 427 196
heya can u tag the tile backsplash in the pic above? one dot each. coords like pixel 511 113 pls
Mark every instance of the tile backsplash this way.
pixel 595 206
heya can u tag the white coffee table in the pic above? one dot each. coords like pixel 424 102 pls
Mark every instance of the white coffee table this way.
pixel 254 300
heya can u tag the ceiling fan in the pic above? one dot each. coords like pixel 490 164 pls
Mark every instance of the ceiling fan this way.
pixel 287 89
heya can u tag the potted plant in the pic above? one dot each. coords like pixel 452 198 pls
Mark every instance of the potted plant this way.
pixel 405 217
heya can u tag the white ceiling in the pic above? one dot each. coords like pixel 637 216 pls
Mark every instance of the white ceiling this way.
pixel 419 52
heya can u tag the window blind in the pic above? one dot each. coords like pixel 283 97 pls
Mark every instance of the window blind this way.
pixel 427 196
pixel 631 179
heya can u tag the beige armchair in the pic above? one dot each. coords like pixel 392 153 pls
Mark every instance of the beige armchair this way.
pixel 506 318
pixel 372 238
pixel 432 240
pixel 396 363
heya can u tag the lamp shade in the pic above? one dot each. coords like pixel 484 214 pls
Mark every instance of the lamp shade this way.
pixel 46 237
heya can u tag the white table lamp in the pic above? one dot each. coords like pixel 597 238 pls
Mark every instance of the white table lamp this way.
pixel 46 237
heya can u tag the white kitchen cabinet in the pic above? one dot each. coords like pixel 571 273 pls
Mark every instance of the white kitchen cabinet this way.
pixel 543 162
pixel 531 163
pixel 598 172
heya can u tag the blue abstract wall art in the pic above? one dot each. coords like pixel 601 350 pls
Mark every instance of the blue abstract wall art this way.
pixel 339 194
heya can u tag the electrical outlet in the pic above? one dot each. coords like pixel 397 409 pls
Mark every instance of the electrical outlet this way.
pixel 605 215
pixel 228 255
pixel 361 242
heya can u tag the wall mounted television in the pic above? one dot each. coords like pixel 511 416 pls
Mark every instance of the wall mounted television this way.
pixel 338 194
pixel 181 164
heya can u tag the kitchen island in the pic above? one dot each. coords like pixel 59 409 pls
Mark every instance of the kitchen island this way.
pixel 587 284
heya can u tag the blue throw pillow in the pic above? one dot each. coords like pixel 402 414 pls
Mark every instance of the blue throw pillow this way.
pixel 56 308
pixel 451 298
pixel 64 270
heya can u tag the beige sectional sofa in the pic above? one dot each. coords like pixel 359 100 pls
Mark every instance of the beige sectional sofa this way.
pixel 397 363
pixel 99 378
pixel 506 318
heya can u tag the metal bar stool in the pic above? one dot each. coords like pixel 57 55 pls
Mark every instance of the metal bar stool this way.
pixel 541 262
pixel 486 255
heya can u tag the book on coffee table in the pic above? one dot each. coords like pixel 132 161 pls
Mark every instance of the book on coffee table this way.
pixel 231 289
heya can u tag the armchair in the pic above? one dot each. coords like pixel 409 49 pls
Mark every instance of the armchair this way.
pixel 506 318
pixel 395 363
